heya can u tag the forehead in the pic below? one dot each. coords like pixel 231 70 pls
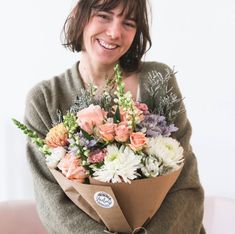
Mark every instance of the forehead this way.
pixel 127 8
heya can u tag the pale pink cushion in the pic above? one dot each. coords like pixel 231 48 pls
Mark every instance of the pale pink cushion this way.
pixel 219 215
pixel 20 217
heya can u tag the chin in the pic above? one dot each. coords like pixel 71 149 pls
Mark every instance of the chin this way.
pixel 106 57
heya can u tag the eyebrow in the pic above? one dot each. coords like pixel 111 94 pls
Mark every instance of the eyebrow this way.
pixel 120 14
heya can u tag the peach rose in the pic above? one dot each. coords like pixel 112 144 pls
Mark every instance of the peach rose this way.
pixel 90 117
pixel 72 169
pixel 138 141
pixel 57 136
pixel 106 131
pixel 122 132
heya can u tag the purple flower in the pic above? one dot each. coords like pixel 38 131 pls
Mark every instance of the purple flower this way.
pixel 154 125
pixel 84 142
pixel 72 149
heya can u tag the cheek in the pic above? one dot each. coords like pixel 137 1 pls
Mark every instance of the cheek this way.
pixel 130 38
pixel 87 33
pixel 86 38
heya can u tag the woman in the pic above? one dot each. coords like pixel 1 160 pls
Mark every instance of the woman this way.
pixel 107 32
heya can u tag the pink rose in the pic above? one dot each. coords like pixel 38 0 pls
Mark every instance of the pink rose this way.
pixel 122 132
pixel 90 117
pixel 142 110
pixel 143 107
pixel 138 141
pixel 106 131
pixel 71 168
pixel 96 156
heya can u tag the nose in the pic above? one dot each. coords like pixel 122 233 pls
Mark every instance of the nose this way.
pixel 114 30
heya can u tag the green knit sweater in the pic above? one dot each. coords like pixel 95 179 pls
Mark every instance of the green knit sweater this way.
pixel 180 213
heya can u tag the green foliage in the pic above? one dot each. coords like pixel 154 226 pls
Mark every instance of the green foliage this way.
pixel 117 117
pixel 86 135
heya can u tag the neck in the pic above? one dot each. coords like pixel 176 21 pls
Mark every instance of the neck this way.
pixel 94 73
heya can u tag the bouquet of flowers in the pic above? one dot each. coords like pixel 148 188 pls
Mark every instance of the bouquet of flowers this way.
pixel 109 147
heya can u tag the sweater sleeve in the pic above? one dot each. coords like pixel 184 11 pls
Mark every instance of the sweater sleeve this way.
pixel 182 210
pixel 56 211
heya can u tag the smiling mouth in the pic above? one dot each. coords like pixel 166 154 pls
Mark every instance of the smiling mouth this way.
pixel 107 45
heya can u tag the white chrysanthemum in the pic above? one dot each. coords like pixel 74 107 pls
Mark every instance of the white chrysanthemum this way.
pixel 167 149
pixel 152 166
pixel 120 164
pixel 56 155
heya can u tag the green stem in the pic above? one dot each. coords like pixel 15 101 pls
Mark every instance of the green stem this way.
pixel 34 137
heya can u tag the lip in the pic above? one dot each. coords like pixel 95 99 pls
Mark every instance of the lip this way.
pixel 107 45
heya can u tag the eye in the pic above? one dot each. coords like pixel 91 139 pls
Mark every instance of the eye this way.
pixel 103 16
pixel 130 24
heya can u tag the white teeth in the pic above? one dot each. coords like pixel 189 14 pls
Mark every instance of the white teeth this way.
pixel 107 46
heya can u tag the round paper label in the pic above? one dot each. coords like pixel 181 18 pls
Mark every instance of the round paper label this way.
pixel 103 199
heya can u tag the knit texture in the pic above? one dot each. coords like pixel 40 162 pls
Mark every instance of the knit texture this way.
pixel 180 213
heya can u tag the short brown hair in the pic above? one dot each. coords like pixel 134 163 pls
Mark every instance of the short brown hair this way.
pixel 76 21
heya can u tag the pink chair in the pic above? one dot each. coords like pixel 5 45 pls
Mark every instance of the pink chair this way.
pixel 219 215
pixel 20 217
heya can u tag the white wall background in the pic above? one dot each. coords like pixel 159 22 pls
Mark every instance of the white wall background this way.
pixel 197 37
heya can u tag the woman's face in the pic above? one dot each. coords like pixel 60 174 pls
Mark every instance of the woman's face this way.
pixel 108 35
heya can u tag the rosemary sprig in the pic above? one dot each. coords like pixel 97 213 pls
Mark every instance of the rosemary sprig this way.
pixel 163 101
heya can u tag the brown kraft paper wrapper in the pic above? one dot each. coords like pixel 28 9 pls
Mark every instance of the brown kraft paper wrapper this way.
pixel 121 207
